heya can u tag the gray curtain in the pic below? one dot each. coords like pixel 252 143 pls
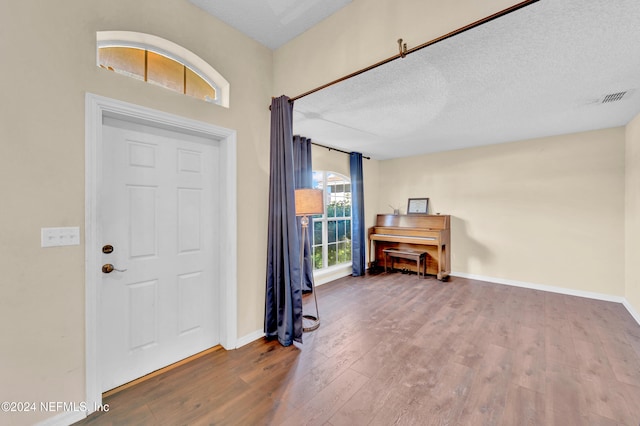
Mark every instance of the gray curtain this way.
pixel 283 296
pixel 303 171
pixel 358 259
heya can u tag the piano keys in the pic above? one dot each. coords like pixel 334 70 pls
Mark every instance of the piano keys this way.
pixel 430 233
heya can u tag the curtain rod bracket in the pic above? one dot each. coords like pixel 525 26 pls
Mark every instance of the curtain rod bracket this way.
pixel 402 48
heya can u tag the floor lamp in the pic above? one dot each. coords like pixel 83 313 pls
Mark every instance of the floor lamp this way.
pixel 309 202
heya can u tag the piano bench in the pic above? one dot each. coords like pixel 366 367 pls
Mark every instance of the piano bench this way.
pixel 420 257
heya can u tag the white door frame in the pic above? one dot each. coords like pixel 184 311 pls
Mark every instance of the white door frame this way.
pixel 96 107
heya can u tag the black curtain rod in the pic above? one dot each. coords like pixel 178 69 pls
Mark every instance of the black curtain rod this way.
pixel 404 52
pixel 336 149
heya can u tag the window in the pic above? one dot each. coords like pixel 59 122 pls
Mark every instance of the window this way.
pixel 161 62
pixel 331 232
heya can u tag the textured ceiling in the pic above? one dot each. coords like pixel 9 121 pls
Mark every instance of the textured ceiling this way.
pixel 271 22
pixel 542 70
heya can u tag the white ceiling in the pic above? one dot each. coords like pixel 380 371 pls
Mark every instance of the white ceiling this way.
pixel 542 70
pixel 271 22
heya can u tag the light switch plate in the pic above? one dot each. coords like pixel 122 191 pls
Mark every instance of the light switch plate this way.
pixel 56 237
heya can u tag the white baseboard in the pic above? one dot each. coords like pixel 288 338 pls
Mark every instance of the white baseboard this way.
pixel 632 311
pixel 245 340
pixel 553 289
pixel 542 287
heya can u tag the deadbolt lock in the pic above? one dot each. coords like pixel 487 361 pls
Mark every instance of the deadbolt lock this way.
pixel 107 249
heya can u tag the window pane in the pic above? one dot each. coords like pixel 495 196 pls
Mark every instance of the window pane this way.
pixel 123 60
pixel 165 72
pixel 331 210
pixel 331 231
pixel 197 87
pixel 332 179
pixel 332 255
pixel 317 232
pixel 341 230
pixel 317 258
pixel 340 209
pixel 348 229
pixel 340 252
pixel 348 251
pixel 318 180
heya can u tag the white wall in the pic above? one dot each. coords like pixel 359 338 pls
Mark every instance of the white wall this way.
pixel 48 64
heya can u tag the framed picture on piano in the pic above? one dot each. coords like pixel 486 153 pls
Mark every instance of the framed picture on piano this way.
pixel 418 206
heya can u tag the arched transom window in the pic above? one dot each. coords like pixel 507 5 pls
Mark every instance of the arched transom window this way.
pixel 161 62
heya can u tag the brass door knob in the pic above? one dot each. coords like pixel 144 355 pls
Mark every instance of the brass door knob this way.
pixel 108 268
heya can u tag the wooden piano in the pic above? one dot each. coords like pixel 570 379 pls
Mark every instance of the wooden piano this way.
pixel 422 232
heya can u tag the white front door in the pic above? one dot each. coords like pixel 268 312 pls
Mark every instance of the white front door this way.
pixel 159 211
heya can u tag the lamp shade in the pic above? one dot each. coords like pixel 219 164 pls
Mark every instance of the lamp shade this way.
pixel 309 202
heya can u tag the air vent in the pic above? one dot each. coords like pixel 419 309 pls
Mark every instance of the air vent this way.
pixel 613 97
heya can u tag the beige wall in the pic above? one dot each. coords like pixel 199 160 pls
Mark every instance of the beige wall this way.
pixel 632 229
pixel 335 161
pixel 48 64
pixel 547 211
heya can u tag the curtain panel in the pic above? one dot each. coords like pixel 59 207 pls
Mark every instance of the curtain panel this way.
pixel 358 247
pixel 303 171
pixel 283 295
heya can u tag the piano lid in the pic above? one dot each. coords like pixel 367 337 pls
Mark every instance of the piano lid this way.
pixel 428 221
pixel 396 237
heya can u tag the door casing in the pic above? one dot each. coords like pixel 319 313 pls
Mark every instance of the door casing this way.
pixel 97 107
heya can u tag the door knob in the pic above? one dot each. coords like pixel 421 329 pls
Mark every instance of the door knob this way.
pixel 108 268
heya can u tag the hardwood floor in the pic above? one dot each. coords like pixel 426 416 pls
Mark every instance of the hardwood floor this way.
pixel 393 349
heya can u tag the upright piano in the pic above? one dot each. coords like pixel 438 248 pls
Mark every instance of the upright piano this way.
pixel 422 232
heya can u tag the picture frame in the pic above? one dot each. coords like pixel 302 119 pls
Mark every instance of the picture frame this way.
pixel 418 206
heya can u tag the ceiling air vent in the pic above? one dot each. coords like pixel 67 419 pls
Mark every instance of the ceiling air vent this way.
pixel 613 97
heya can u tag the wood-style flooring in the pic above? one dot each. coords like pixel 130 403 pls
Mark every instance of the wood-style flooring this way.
pixel 395 349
